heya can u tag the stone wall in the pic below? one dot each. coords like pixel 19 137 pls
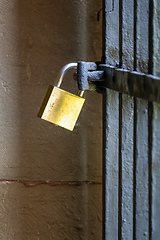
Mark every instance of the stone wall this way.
pixel 50 178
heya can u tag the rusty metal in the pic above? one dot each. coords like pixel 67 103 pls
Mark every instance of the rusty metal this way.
pixel 131 124
pixel 92 76
pixel 82 74
pixel 87 75
pixel 137 84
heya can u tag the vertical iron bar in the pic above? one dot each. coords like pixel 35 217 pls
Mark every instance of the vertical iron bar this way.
pixel 150 133
pixel 120 31
pixel 135 35
pixel 110 124
pixel 134 167
pixel 150 116
pixel 120 123
pixel 120 170
pixel 103 31
pixel 104 119
pixel 135 124
pixel 150 64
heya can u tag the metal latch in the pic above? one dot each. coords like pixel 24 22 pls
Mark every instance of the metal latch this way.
pixel 89 76
pixel 61 107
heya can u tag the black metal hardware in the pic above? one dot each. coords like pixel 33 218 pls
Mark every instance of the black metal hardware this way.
pixel 96 76
pixel 134 83
pixel 88 75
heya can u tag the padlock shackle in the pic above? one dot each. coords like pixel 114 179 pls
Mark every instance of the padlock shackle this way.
pixel 63 71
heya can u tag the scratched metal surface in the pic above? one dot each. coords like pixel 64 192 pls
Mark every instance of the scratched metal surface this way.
pixel 38 37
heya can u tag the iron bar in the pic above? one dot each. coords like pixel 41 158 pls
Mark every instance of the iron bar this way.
pixel 134 83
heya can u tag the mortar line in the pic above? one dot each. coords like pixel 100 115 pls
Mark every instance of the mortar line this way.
pixel 50 182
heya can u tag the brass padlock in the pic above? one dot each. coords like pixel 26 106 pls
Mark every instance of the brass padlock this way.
pixel 61 107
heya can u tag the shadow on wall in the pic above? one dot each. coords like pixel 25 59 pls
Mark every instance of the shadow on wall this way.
pixel 53 187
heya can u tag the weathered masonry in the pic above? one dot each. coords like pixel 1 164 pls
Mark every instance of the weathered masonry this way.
pixel 131 119
pixel 50 179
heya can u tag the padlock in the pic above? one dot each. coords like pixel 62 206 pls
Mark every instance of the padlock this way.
pixel 59 106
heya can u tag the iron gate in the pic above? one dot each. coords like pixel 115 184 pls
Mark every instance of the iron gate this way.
pixel 131 119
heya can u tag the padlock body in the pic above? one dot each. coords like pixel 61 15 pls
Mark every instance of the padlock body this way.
pixel 61 107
